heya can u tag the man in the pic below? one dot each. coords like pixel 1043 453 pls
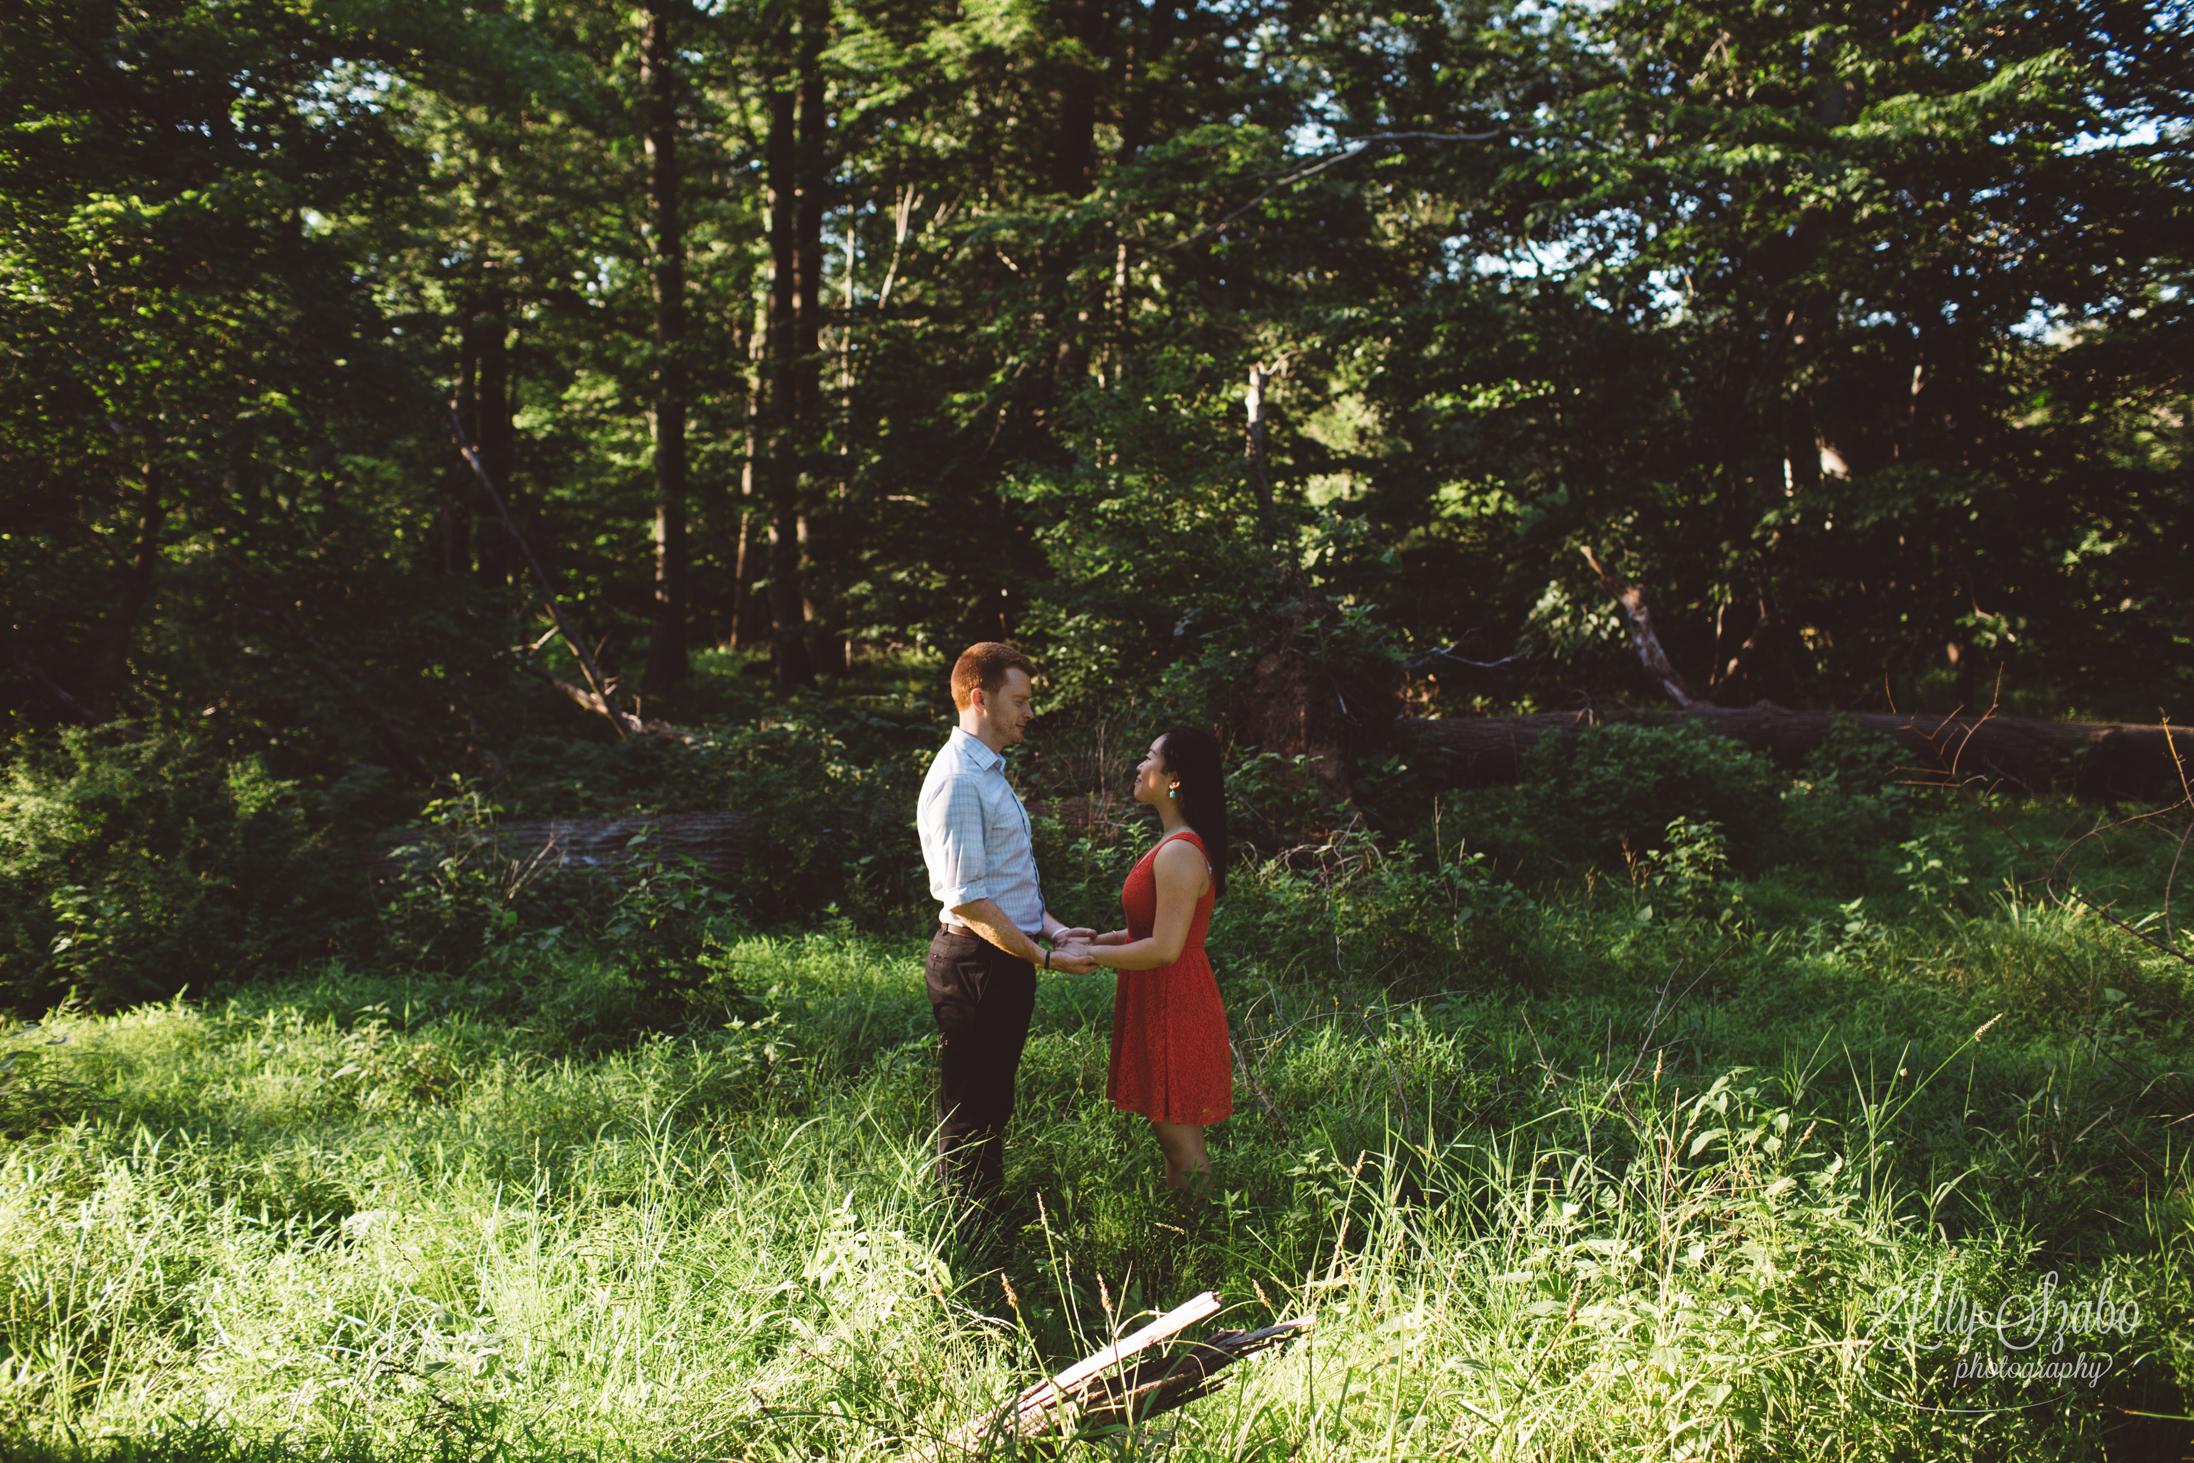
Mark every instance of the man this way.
pixel 982 964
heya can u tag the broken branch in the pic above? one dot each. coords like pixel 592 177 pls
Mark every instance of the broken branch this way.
pixel 1084 1396
pixel 1639 620
pixel 596 684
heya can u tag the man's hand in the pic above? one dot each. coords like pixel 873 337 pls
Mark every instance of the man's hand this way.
pixel 1074 936
pixel 1074 959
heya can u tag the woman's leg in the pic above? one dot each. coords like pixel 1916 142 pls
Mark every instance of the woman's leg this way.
pixel 1188 1166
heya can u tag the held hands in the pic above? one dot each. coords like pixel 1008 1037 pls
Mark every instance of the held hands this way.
pixel 1070 950
pixel 1073 950
pixel 1073 958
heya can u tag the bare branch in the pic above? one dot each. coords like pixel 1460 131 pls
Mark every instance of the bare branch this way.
pixel 1639 618
pixel 596 683
pixel 1427 661
pixel 1095 1393
pixel 1357 149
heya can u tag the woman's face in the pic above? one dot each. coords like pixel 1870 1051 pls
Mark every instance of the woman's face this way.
pixel 1152 781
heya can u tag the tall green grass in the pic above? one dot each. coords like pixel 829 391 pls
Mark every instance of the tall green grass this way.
pixel 1632 1178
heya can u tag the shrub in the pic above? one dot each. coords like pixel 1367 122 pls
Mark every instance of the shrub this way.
pixel 1609 794
pixel 1844 811
pixel 1356 908
pixel 130 870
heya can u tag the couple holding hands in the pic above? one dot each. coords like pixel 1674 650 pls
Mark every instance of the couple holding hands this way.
pixel 1171 1062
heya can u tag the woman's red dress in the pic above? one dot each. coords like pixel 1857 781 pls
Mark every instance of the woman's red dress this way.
pixel 1170 1058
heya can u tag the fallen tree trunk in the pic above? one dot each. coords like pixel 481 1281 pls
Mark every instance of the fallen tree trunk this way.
pixel 2009 753
pixel 615 846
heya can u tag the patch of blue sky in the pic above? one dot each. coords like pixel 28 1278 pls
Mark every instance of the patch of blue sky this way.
pixel 2041 322
pixel 346 85
pixel 1550 260
pixel 2138 134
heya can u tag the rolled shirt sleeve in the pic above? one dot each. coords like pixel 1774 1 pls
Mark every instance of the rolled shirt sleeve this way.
pixel 975 835
pixel 953 845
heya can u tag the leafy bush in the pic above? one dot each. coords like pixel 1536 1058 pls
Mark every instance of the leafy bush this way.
pixel 1608 794
pixel 612 956
pixel 1691 869
pixel 1357 908
pixel 832 798
pixel 1845 810
pixel 1274 802
pixel 830 789
pixel 1083 870
pixel 131 870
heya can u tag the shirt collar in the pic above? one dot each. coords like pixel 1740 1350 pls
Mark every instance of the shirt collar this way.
pixel 975 751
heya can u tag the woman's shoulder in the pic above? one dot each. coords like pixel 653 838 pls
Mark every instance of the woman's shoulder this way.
pixel 1182 853
pixel 1182 847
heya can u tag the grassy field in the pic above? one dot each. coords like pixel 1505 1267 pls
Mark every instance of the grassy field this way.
pixel 1733 1182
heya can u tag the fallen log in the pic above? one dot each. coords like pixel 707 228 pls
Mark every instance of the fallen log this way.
pixel 614 846
pixel 2007 753
pixel 1094 1393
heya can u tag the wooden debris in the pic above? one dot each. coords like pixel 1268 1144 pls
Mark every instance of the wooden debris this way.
pixel 612 846
pixel 1095 1393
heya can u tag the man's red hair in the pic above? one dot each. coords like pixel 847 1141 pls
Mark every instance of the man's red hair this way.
pixel 985 664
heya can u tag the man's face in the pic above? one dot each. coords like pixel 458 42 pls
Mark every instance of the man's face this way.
pixel 1006 710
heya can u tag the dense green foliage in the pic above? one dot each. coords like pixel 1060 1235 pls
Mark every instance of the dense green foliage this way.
pixel 130 872
pixel 1858 339
pixel 137 869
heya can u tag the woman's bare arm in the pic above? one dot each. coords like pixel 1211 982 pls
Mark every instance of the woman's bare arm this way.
pixel 1182 877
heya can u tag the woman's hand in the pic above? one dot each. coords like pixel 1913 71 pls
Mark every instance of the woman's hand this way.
pixel 1074 958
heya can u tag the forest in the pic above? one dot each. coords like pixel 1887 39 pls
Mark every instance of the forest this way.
pixel 1679 510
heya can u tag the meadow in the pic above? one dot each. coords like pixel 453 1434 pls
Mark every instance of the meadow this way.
pixel 1708 1154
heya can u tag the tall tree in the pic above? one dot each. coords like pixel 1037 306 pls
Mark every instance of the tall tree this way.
pixel 659 83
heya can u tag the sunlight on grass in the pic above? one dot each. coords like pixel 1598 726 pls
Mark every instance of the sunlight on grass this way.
pixel 1624 1221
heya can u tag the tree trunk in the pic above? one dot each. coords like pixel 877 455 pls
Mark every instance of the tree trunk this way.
pixel 789 664
pixel 825 652
pixel 110 671
pixel 2009 753
pixel 1254 450
pixel 463 505
pixel 1145 51
pixel 667 662
pixel 749 612
pixel 1091 23
pixel 716 841
pixel 496 436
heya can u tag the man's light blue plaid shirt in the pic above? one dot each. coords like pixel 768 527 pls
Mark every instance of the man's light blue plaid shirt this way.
pixel 975 835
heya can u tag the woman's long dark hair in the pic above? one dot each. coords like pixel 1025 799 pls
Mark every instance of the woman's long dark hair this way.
pixel 1193 757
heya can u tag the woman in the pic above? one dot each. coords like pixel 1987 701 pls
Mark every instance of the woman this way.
pixel 1170 1057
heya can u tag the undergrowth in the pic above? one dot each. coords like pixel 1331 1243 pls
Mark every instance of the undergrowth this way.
pixel 1667 1108
pixel 1660 1208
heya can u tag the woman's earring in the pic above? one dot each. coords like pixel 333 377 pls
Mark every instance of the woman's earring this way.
pixel 1173 792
